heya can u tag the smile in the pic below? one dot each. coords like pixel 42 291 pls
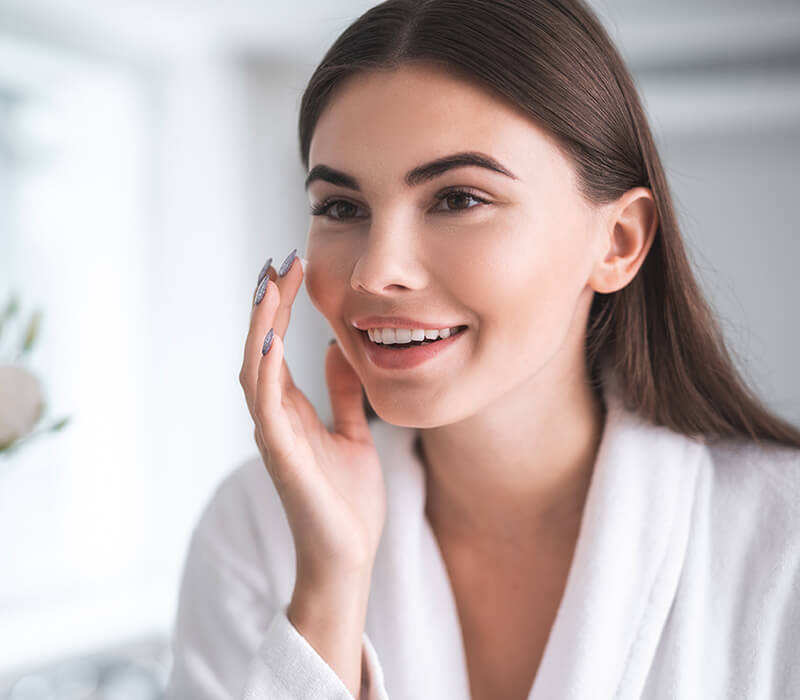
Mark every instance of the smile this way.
pixel 409 354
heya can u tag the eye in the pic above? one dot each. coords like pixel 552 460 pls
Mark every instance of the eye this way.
pixel 323 208
pixel 454 196
pixel 342 210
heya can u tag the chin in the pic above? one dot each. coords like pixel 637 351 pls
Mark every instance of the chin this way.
pixel 411 414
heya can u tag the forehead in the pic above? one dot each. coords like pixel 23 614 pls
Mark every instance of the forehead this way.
pixel 390 120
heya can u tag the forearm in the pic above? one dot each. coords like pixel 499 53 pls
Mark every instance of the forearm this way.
pixel 331 617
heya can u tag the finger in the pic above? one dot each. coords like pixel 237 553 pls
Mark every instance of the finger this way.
pixel 269 272
pixel 289 285
pixel 347 404
pixel 286 380
pixel 286 375
pixel 273 422
pixel 261 320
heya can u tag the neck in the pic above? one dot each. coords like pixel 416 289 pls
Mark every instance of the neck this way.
pixel 500 489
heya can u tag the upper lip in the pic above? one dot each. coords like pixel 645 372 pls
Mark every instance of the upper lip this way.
pixel 365 322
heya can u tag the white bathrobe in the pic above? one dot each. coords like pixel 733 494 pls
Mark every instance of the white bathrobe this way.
pixel 685 584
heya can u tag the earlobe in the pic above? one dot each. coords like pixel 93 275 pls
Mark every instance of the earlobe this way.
pixel 631 225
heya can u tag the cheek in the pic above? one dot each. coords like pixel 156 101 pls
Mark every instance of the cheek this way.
pixel 327 277
pixel 530 303
pixel 322 286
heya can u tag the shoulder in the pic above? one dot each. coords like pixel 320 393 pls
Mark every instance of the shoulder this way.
pixel 230 508
pixel 756 478
pixel 732 626
pixel 244 519
pixel 748 519
pixel 738 599
pixel 243 525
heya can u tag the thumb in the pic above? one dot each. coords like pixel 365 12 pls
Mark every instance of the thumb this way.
pixel 347 404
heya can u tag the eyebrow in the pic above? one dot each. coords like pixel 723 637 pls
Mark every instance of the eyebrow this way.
pixel 416 176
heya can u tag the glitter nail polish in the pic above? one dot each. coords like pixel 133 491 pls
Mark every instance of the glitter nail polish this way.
pixel 264 270
pixel 262 289
pixel 287 263
pixel 268 341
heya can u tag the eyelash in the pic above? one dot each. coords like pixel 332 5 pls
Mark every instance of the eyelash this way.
pixel 323 207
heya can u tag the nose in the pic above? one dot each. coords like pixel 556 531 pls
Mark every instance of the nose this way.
pixel 388 262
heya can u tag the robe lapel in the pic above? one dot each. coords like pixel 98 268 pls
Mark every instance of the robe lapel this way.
pixel 412 618
pixel 620 586
pixel 627 561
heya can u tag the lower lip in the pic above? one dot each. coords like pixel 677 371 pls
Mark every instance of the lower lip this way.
pixel 387 357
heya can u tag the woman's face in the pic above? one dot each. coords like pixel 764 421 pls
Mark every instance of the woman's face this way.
pixel 510 259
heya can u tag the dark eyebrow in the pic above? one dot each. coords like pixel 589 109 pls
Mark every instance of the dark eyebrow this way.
pixel 417 176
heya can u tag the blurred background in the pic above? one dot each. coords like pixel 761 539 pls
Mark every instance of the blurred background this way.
pixel 148 167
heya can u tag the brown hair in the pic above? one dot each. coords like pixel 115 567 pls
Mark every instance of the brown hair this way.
pixel 554 60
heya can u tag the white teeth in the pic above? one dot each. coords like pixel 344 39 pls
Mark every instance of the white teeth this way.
pixel 406 335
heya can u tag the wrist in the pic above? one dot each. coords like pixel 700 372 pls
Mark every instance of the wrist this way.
pixel 331 618
pixel 336 598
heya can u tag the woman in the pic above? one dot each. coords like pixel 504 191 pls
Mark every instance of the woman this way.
pixel 569 492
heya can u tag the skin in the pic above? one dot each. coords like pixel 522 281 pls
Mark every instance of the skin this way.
pixel 509 425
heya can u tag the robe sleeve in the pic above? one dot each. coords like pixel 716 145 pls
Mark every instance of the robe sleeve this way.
pixel 232 640
pixel 287 667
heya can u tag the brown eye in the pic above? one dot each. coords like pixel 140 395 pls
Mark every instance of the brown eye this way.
pixel 348 211
pixel 457 200
pixel 326 207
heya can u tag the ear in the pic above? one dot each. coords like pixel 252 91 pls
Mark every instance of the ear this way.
pixel 627 229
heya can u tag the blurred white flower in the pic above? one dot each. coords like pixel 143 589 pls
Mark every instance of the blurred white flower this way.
pixel 21 403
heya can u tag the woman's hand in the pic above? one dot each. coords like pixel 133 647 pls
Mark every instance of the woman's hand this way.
pixel 330 483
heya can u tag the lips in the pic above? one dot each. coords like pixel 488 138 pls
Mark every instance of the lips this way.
pixel 423 341
pixel 398 356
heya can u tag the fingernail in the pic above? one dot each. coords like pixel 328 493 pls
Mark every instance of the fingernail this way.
pixel 268 341
pixel 286 264
pixel 262 289
pixel 264 270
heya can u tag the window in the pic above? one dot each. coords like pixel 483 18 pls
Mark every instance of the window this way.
pixel 76 527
